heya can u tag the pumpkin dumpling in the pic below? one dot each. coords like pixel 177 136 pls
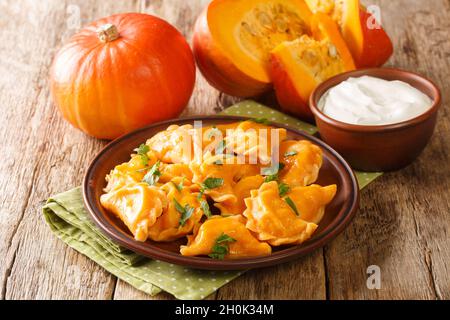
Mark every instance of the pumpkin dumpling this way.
pixel 130 172
pixel 241 190
pixel 254 140
pixel 138 206
pixel 213 135
pixel 302 161
pixel 273 219
pixel 229 232
pixel 173 145
pixel 181 214
pixel 173 170
pixel 218 174
pixel 311 201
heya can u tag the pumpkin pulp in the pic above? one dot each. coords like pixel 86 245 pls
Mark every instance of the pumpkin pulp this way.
pixel 309 61
pixel 369 45
pixel 258 26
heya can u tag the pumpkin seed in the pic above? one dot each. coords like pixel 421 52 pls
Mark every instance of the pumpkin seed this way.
pixel 332 51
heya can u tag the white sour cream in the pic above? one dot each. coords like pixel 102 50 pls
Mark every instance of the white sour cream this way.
pixel 373 101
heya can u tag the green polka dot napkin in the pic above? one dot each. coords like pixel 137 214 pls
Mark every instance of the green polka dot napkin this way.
pixel 68 219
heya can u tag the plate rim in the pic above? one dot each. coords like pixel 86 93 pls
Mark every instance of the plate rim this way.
pixel 288 254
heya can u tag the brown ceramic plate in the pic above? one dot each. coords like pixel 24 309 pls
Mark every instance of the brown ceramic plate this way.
pixel 334 171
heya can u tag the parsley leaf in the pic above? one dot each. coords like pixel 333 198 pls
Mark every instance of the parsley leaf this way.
pixel 186 211
pixel 220 248
pixel 272 177
pixel 179 186
pixel 212 183
pixel 283 189
pixel 225 238
pixel 142 151
pixel 209 183
pixel 205 207
pixel 153 175
pixel 292 205
pixel 261 121
pixel 290 153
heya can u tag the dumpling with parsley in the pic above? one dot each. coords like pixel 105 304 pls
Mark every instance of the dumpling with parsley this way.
pixel 182 213
pixel 138 206
pixel 254 139
pixel 217 176
pixel 175 170
pixel 173 145
pixel 275 218
pixel 225 238
pixel 133 171
pixel 241 190
pixel 302 161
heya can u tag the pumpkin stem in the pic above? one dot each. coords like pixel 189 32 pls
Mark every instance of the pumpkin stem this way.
pixel 107 33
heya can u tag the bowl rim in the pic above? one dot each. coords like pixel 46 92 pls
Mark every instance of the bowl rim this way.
pixel 288 254
pixel 400 74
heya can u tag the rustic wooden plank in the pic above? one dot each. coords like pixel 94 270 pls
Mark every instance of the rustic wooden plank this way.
pixel 404 219
pixel 46 154
pixel 301 279
pixel 402 226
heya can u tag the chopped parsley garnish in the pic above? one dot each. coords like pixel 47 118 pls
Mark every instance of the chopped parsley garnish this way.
pixel 208 184
pixel 292 205
pixel 261 121
pixel 186 211
pixel 283 189
pixel 290 153
pixel 272 177
pixel 142 151
pixel 179 186
pixel 205 207
pixel 212 183
pixel 152 176
pixel 220 248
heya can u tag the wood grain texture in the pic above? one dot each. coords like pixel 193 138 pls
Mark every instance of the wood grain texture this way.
pixel 403 225
pixel 404 219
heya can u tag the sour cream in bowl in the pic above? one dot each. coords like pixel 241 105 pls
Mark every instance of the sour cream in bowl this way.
pixel 368 100
pixel 378 119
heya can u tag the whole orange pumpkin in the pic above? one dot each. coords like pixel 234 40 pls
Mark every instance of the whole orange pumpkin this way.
pixel 121 73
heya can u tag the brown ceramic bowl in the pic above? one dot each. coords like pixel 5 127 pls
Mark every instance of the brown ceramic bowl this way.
pixel 378 148
pixel 334 171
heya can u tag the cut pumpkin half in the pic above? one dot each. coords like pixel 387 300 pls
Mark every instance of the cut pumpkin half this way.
pixel 233 40
pixel 299 66
pixel 368 42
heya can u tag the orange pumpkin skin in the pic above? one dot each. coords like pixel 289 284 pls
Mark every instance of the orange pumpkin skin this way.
pixel 109 88
pixel 217 68
pixel 287 95
pixel 378 47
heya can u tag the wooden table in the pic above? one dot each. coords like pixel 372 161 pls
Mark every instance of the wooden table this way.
pixel 402 227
